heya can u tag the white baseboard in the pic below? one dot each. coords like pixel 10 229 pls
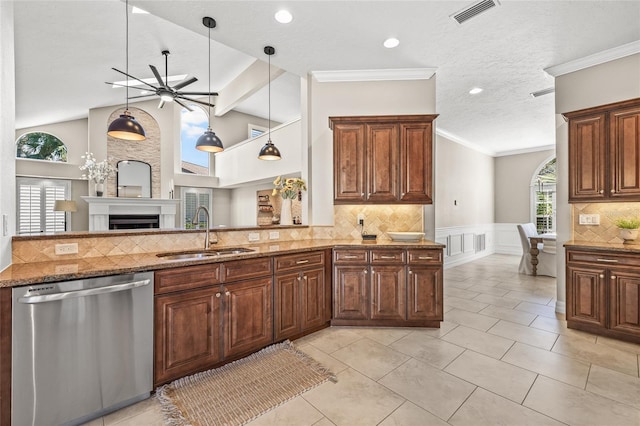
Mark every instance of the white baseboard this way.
pixel 561 307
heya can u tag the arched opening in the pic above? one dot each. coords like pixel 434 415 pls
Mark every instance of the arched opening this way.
pixel 41 146
pixel 543 197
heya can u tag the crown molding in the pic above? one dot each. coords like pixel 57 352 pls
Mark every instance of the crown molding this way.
pixel 526 150
pixel 595 59
pixel 465 143
pixel 374 75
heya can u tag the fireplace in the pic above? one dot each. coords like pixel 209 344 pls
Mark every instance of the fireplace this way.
pixel 133 221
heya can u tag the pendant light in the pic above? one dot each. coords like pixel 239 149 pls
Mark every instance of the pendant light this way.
pixel 126 127
pixel 209 141
pixel 269 150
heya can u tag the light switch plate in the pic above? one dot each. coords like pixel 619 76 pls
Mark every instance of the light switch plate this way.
pixel 71 248
pixel 274 235
pixel 589 219
pixel 254 236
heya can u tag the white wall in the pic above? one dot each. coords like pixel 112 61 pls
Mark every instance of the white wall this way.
pixel 602 84
pixel 513 185
pixel 350 99
pixel 7 126
pixel 465 183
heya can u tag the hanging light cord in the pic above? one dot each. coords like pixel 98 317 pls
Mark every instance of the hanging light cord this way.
pixel 269 84
pixel 126 14
pixel 209 106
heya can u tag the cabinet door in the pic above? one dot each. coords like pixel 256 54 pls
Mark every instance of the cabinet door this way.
pixel 625 153
pixel 424 293
pixel 381 163
pixel 416 172
pixel 388 292
pixel 248 316
pixel 586 301
pixel 587 151
pixel 625 302
pixel 187 333
pixel 287 305
pixel 312 299
pixel 350 297
pixel 348 163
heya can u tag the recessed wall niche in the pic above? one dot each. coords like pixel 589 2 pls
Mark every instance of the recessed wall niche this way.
pixel 147 150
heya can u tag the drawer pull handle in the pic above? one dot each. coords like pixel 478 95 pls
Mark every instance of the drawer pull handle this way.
pixel 300 262
pixel 607 260
pixel 613 277
pixel 350 256
pixel 227 293
pixel 601 275
pixel 387 257
pixel 425 257
pixel 613 191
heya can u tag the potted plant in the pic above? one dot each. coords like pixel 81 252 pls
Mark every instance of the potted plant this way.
pixel 628 228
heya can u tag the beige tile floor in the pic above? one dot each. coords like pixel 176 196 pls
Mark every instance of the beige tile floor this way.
pixel 501 357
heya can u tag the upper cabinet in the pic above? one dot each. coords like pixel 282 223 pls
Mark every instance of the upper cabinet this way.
pixel 383 159
pixel 604 153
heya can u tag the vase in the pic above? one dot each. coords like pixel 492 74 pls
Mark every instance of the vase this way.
pixel 285 212
pixel 99 189
pixel 628 234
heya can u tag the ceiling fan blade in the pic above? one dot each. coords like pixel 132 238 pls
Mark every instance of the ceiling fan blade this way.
pixel 199 93
pixel 157 75
pixel 196 101
pixel 142 96
pixel 161 104
pixel 135 78
pixel 187 107
pixel 184 83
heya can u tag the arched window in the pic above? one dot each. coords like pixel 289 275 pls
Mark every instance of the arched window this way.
pixel 192 125
pixel 41 146
pixel 543 195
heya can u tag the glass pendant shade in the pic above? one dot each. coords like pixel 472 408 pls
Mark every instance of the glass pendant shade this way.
pixel 269 152
pixel 126 127
pixel 209 142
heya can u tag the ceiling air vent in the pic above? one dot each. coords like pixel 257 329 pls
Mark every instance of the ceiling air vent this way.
pixel 474 10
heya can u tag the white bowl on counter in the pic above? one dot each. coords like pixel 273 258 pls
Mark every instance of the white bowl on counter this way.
pixel 406 236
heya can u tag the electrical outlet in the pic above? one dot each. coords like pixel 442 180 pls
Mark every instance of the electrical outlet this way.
pixel 71 248
pixel 274 235
pixel 254 236
pixel 589 219
pixel 360 218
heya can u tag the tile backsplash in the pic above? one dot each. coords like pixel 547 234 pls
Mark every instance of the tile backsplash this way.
pixel 606 231
pixel 378 219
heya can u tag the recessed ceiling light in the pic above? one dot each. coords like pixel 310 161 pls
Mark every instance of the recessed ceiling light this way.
pixel 390 43
pixel 284 16
pixel 475 91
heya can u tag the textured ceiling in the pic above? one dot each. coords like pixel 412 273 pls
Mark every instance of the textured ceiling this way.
pixel 65 51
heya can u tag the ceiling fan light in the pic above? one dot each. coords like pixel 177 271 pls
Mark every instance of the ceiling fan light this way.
pixel 166 96
pixel 127 128
pixel 269 152
pixel 209 142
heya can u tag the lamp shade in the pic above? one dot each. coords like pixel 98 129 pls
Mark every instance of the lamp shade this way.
pixel 209 142
pixel 126 127
pixel 269 152
pixel 65 206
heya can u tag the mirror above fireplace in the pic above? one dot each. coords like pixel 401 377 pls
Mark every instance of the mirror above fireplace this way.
pixel 133 179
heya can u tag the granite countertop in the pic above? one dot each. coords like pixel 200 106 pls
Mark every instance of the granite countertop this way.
pixel 617 247
pixel 20 274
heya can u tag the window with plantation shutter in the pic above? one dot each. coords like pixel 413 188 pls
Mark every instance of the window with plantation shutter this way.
pixel 36 199
pixel 192 198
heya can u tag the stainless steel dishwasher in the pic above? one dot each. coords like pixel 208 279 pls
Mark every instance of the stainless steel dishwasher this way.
pixel 81 348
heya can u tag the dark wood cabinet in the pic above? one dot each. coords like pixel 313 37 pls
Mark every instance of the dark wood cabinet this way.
pixel 302 294
pixel 388 287
pixel 383 159
pixel 603 293
pixel 604 153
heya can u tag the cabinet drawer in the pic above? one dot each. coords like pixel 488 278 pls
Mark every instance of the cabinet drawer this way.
pixel 424 256
pixel 347 256
pixel 189 277
pixel 603 258
pixel 297 261
pixel 380 256
pixel 244 269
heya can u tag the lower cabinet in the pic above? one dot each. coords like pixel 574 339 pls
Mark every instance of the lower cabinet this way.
pixel 387 287
pixel 603 293
pixel 228 316
pixel 302 294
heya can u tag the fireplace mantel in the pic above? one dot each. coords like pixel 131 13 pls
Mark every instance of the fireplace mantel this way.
pixel 101 207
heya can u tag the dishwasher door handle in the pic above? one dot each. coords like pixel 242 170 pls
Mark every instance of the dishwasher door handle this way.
pixel 83 293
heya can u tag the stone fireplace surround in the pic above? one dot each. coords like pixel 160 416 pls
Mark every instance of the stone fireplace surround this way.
pixel 101 207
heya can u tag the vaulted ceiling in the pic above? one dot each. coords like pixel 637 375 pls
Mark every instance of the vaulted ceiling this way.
pixel 65 51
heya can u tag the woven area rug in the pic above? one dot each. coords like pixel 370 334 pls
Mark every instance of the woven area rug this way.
pixel 237 393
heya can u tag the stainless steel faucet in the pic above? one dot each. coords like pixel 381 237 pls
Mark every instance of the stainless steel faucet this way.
pixel 206 232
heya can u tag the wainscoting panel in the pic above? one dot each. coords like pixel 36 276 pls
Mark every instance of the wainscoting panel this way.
pixel 466 243
pixel 455 244
pixel 507 239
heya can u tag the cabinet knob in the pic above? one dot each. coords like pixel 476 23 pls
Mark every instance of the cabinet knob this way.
pixel 613 191
pixel 601 191
pixel 362 194
pixel 601 275
pixel 613 277
pixel 227 293
pixel 218 295
pixel 410 271
pixel 365 271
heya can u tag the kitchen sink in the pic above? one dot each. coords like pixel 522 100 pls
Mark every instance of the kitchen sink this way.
pixel 202 254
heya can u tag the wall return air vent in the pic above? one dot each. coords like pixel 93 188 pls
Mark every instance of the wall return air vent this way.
pixel 474 10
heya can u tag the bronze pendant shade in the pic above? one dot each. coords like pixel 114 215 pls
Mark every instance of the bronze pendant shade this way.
pixel 269 151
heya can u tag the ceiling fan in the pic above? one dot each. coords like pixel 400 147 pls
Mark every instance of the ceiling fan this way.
pixel 166 92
